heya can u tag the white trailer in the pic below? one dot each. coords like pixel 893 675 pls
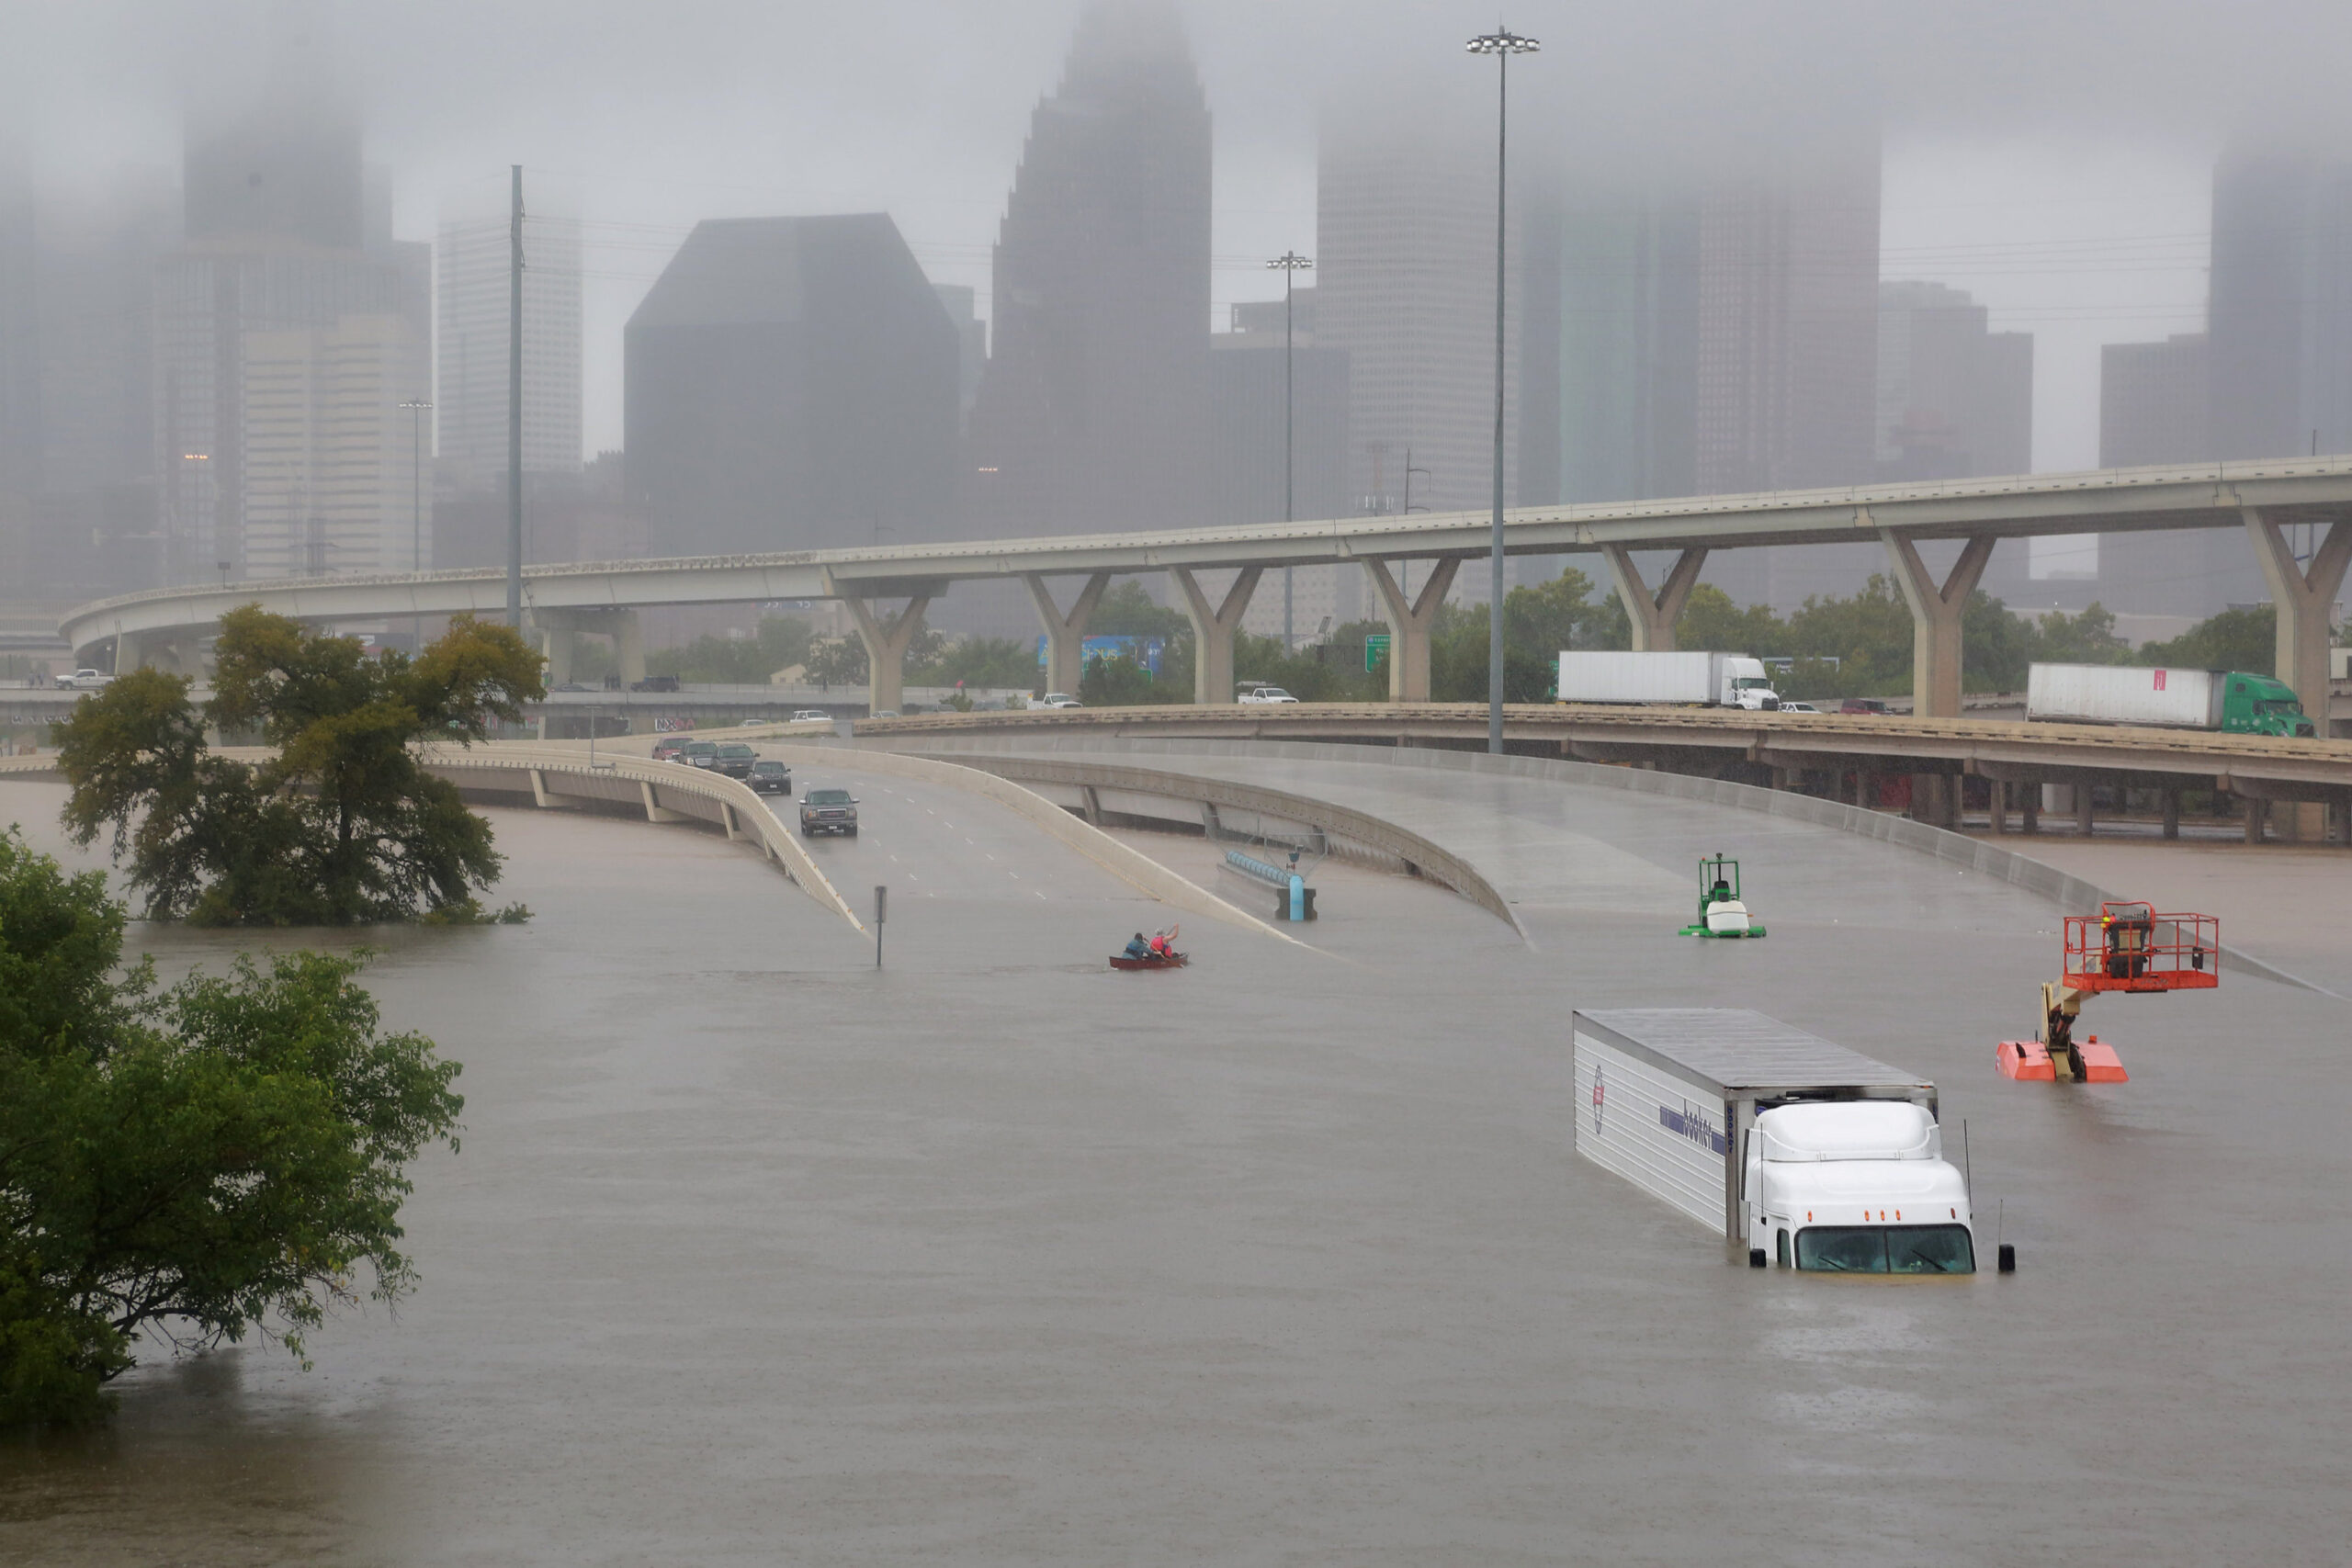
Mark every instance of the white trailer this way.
pixel 2229 700
pixel 1703 680
pixel 1798 1151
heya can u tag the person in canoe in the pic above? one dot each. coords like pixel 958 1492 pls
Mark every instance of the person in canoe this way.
pixel 1138 949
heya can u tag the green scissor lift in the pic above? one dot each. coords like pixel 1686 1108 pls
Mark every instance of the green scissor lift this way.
pixel 1721 912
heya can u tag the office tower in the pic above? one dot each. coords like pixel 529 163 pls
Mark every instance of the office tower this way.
pixel 972 342
pixel 1954 399
pixel 1092 413
pixel 1609 349
pixel 327 463
pixel 275 241
pixel 95 523
pixel 20 423
pixel 1247 393
pixel 790 383
pixel 1786 346
pixel 1405 285
pixel 470 383
pixel 2152 406
pixel 2280 312
pixel 2155 408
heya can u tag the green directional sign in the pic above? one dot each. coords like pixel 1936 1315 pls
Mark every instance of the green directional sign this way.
pixel 1376 649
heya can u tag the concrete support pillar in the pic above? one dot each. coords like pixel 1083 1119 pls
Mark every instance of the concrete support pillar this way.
pixel 2083 809
pixel 2030 809
pixel 127 652
pixel 1866 789
pixel 1408 627
pixel 2000 802
pixel 1653 615
pixel 2304 598
pixel 1935 610
pixel 2255 812
pixel 629 646
pixel 886 648
pixel 1213 631
pixel 2170 796
pixel 1065 634
pixel 557 643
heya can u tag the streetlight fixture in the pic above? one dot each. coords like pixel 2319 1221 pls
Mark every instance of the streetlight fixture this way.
pixel 1502 43
pixel 416 407
pixel 1290 263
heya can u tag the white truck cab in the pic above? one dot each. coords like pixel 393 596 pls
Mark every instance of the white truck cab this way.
pixel 1255 693
pixel 1856 1186
pixel 1747 685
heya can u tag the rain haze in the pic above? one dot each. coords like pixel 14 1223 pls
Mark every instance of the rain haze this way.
pixel 2054 160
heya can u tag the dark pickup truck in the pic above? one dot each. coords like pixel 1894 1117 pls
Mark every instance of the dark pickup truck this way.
pixel 828 811
pixel 734 759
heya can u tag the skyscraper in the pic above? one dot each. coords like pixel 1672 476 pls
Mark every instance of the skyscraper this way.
pixel 790 383
pixel 1405 285
pixel 1954 399
pixel 326 462
pixel 2281 313
pixel 1249 379
pixel 1093 413
pixel 2155 406
pixel 1610 362
pixel 471 379
pixel 1786 346
pixel 274 242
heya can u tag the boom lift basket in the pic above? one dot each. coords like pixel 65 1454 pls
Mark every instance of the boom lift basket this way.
pixel 2131 947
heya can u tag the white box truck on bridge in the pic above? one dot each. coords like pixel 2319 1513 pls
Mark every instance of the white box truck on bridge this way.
pixel 1686 679
pixel 1798 1151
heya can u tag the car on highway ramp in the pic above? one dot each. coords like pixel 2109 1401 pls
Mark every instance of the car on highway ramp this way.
pixel 733 758
pixel 84 681
pixel 1265 695
pixel 769 776
pixel 828 811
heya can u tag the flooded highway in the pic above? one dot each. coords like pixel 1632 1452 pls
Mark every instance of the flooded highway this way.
pixel 754 1254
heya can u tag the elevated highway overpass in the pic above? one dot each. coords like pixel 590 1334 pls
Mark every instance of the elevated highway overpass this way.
pixel 2308 781
pixel 2264 499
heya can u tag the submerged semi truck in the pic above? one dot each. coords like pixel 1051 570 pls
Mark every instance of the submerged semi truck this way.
pixel 1702 680
pixel 2231 701
pixel 1801 1154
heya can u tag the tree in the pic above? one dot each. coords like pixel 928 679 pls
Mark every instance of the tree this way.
pixel 781 642
pixel 1709 621
pixel 2236 640
pixel 344 824
pixel 2086 638
pixel 223 1156
pixel 1125 609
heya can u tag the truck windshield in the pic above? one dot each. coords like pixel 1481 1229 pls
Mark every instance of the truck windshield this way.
pixel 1746 682
pixel 1886 1249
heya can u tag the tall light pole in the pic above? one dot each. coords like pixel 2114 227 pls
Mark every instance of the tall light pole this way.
pixel 1502 43
pixel 514 409
pixel 1290 263
pixel 416 407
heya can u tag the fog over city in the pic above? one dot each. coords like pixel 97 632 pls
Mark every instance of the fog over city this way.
pixel 2052 158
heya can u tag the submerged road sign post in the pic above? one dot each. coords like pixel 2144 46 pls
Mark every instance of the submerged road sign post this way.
pixel 881 913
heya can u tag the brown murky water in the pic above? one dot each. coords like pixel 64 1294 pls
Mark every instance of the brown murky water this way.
pixel 755 1254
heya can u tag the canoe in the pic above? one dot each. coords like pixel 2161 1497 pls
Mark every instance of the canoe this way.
pixel 1121 961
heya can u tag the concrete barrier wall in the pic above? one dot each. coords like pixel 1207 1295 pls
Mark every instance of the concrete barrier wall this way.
pixel 1128 864
pixel 2068 892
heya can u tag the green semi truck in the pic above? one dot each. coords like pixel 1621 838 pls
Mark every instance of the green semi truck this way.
pixel 2231 701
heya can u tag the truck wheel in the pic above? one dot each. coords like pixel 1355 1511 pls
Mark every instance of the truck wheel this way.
pixel 852 832
pixel 2009 1262
pixel 1756 1258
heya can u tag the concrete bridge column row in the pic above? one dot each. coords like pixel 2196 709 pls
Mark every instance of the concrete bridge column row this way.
pixel 560 631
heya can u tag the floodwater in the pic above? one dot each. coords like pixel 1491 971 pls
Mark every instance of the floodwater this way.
pixel 754 1254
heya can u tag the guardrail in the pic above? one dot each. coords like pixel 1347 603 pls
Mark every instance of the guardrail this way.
pixel 554 776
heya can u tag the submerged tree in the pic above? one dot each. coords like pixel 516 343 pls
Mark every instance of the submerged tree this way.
pixel 344 824
pixel 190 1165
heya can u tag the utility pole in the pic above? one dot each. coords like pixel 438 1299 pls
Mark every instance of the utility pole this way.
pixel 515 412
pixel 1290 263
pixel 1502 43
pixel 416 407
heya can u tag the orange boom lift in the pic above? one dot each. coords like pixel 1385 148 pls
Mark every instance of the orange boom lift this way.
pixel 2124 947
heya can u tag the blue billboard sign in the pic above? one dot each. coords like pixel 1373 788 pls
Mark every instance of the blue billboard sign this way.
pixel 1143 651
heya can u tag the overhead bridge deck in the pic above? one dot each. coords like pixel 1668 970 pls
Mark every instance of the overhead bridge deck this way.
pixel 1725 742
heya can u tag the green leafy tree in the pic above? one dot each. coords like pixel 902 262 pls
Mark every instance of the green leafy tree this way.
pixel 344 824
pixel 1710 621
pixel 191 1165
pixel 978 662
pixel 2086 638
pixel 1125 609
pixel 2236 640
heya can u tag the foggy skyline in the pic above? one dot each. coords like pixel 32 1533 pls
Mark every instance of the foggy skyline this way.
pixel 2054 163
